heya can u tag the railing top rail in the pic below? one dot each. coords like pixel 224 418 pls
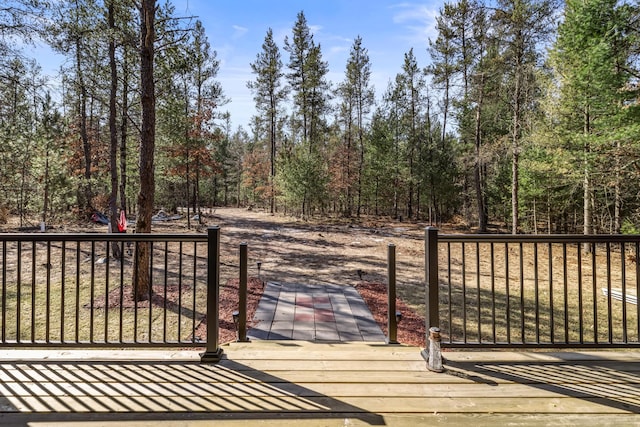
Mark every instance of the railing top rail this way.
pixel 537 238
pixel 111 237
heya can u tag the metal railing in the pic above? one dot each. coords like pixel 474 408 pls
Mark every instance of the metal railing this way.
pixel 555 291
pixel 66 290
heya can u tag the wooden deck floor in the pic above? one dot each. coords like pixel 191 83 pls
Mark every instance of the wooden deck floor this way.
pixel 302 383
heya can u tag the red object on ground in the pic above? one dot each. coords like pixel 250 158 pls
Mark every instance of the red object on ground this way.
pixel 122 223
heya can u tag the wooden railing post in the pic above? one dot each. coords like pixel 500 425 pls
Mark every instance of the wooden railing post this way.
pixel 242 297
pixel 392 322
pixel 431 277
pixel 432 317
pixel 213 352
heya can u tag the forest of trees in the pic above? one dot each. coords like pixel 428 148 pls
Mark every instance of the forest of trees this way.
pixel 526 118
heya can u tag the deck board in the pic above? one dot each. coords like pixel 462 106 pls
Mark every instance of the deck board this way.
pixel 290 383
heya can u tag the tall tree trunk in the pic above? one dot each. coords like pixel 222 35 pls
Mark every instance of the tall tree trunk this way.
pixel 214 202
pixel 141 272
pixel 587 190
pixel 348 208
pixel 123 134
pixel 535 217
pixel 396 176
pixel 272 157
pixel 515 147
pixel 587 194
pixel 360 164
pixel 410 192
pixel 588 213
pixel 113 131
pixel 45 206
pixel 187 159
pixel 196 194
pixel 84 134
pixel 617 221
pixel 477 168
pixel 514 188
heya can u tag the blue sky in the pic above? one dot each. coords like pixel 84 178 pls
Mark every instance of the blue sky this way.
pixel 236 30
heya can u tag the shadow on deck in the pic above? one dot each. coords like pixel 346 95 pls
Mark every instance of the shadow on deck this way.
pixel 329 384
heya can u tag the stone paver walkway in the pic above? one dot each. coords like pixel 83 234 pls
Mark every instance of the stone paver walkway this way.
pixel 313 313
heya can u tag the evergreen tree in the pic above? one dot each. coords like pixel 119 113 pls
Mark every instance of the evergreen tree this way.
pixel 381 169
pixel 113 126
pixel 73 33
pixel 457 56
pixel 412 87
pixel 307 80
pixel 208 98
pixel 357 96
pixel 443 65
pixel 142 273
pixel 19 115
pixel 50 169
pixel 310 90
pixel 19 19
pixel 393 102
pixel 268 95
pixel 521 27
pixel 303 178
pixel 591 62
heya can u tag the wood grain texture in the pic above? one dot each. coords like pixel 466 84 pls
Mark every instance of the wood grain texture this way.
pixel 290 383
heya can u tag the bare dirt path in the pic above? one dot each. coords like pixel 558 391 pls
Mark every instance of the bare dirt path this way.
pixel 322 250
pixel 330 251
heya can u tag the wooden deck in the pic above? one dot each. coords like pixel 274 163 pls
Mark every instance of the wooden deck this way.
pixel 300 383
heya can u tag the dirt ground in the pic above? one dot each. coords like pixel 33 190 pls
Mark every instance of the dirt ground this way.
pixel 355 253
pixel 322 250
pixel 328 250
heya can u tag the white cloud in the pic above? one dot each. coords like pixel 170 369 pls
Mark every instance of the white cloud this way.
pixel 418 19
pixel 239 31
pixel 338 49
pixel 314 29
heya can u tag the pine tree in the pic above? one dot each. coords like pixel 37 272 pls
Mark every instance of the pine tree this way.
pixel 357 96
pixel 269 94
pixel 74 33
pixel 591 61
pixel 381 167
pixel 443 65
pixel 521 26
pixel 457 56
pixel 307 80
pixel 19 18
pixel 208 98
pixel 142 274
pixel 413 85
pixel 310 90
pixel 113 126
